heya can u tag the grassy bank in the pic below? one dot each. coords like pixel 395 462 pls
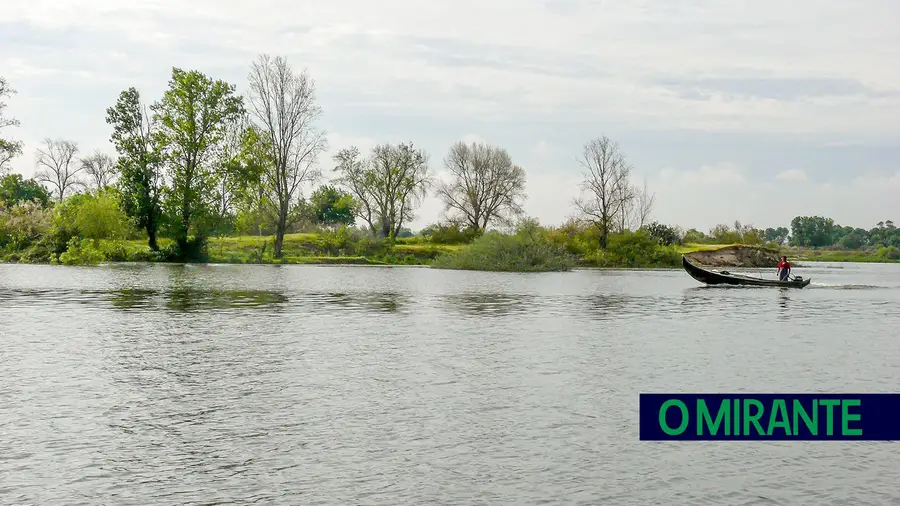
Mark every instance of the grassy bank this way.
pixel 529 249
pixel 306 248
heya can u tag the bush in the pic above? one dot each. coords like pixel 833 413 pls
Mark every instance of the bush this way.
pixel 636 250
pixel 346 241
pixel 530 249
pixel 664 234
pixel 81 251
pixel 889 253
pixel 449 233
pixel 23 225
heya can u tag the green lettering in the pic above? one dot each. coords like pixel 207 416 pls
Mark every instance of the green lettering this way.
pixel 829 417
pixel 684 417
pixel 811 424
pixel 754 419
pixel 704 418
pixel 779 407
pixel 846 417
pixel 737 417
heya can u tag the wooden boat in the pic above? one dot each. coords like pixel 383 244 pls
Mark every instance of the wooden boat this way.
pixel 727 278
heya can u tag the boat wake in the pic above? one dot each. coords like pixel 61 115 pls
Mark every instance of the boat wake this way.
pixel 831 286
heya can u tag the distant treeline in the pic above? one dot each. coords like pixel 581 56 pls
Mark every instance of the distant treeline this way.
pixel 203 161
pixel 815 232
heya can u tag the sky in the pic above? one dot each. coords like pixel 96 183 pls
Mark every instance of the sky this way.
pixel 752 111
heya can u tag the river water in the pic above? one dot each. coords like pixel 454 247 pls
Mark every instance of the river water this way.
pixel 171 384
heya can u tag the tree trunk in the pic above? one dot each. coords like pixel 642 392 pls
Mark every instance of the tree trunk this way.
pixel 151 234
pixel 279 233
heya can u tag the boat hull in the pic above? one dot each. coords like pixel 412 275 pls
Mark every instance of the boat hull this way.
pixel 718 278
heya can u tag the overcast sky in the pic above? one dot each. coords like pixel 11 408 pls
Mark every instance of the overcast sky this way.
pixel 731 110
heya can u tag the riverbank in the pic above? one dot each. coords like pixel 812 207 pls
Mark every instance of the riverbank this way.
pixel 334 248
pixel 882 255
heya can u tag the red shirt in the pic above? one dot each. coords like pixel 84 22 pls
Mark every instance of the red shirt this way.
pixel 784 264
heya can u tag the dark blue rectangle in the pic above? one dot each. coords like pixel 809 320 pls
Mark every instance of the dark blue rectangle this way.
pixel 784 417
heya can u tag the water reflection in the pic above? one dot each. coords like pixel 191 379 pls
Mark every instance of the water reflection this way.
pixel 192 299
pixel 606 306
pixel 386 302
pixel 783 299
pixel 489 304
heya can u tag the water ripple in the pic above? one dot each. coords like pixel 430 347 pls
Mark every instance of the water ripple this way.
pixel 282 385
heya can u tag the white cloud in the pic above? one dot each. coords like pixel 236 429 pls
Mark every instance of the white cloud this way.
pixel 792 175
pixel 682 198
pixel 393 71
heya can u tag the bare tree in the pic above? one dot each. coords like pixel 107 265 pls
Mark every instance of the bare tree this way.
pixel 9 149
pixel 637 205
pixel 283 104
pixel 100 168
pixel 606 186
pixel 388 185
pixel 485 184
pixel 57 166
pixel 644 206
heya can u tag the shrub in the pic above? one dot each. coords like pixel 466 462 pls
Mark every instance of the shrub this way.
pixel 81 251
pixel 449 233
pixel 889 253
pixel 23 224
pixel 664 234
pixel 635 249
pixel 528 250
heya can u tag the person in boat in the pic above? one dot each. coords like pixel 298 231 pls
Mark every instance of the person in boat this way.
pixel 784 269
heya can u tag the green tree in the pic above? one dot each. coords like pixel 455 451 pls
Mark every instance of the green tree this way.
pixel 193 114
pixel 14 189
pixel 664 234
pixel 332 206
pixel 812 231
pixel 241 166
pixel 140 162
pixel 777 235
pixel 9 148
pixel 855 239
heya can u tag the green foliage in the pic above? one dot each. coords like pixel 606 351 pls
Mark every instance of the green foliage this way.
pixel 735 234
pixel 100 216
pixel 14 189
pixel 194 115
pixel 331 206
pixel 664 234
pixel 635 250
pixel 449 233
pixel 80 251
pixel 776 235
pixel 22 224
pixel 346 241
pixel 889 253
pixel 812 231
pixel 530 249
pixel 9 148
pixel 140 162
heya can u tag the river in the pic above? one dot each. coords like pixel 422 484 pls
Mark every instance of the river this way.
pixel 172 384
